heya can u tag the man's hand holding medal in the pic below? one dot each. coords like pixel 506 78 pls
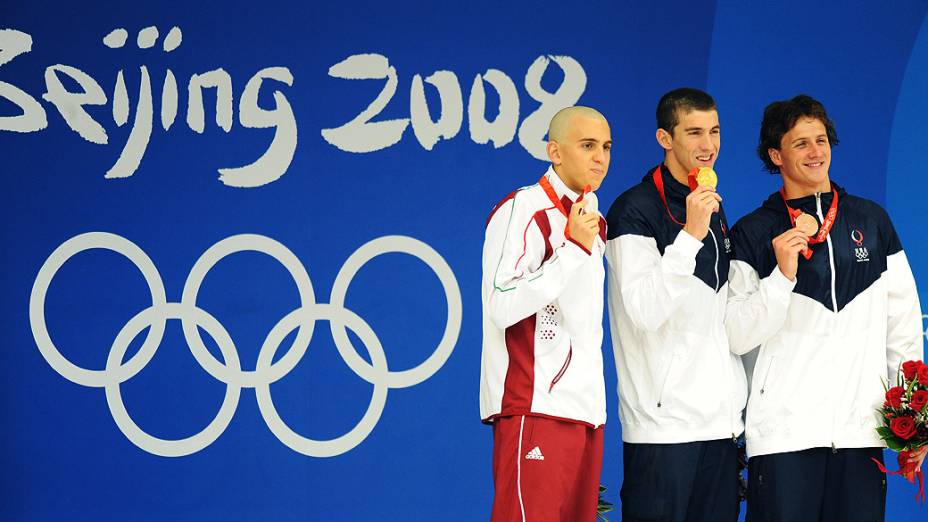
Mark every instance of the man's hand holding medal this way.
pixel 702 202
pixel 806 231
pixel 582 227
pixel 787 247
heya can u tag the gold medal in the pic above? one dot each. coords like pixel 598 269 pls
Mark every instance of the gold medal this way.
pixel 806 224
pixel 706 177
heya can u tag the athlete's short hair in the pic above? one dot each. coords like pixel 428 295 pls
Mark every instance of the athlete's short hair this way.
pixel 684 99
pixel 781 116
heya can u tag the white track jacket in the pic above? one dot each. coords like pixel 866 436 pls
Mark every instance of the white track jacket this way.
pixel 542 312
pixel 828 340
pixel 678 382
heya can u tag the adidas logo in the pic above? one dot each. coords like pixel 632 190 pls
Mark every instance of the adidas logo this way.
pixel 535 454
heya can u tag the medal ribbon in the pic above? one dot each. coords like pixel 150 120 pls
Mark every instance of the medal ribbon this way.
pixel 556 201
pixel 827 223
pixel 659 183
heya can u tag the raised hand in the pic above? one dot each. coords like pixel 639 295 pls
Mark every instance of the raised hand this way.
pixel 787 247
pixel 700 205
pixel 583 228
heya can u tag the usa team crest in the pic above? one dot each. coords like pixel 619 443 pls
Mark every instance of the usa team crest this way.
pixel 861 252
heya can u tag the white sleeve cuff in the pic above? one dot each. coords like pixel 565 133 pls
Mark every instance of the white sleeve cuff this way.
pixel 687 244
pixel 779 282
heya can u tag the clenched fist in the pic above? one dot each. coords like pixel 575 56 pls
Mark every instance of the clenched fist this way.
pixel 787 247
pixel 700 205
pixel 583 228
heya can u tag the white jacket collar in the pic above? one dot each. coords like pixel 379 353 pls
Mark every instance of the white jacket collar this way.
pixel 559 186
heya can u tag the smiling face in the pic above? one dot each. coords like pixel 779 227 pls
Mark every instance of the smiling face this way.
pixel 581 156
pixel 695 142
pixel 803 158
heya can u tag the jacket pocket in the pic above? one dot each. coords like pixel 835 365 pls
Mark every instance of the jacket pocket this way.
pixel 663 388
pixel 563 370
pixel 766 379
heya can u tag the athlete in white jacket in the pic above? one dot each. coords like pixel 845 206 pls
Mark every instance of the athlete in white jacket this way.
pixel 831 327
pixel 541 382
pixel 681 391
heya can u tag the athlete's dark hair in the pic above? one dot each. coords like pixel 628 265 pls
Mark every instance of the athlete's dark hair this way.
pixel 781 116
pixel 684 100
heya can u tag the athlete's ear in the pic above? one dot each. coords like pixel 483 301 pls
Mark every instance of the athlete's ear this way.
pixel 554 152
pixel 664 139
pixel 775 157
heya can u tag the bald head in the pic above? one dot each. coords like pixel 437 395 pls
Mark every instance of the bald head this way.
pixel 563 120
pixel 579 146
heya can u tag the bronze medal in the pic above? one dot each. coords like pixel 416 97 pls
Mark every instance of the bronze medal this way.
pixel 806 224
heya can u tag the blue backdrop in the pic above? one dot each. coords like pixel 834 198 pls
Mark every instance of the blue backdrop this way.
pixel 191 192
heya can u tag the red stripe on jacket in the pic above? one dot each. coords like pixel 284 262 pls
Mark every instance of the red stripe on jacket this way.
pixel 520 376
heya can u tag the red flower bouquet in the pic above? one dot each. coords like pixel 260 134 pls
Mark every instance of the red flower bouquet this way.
pixel 905 419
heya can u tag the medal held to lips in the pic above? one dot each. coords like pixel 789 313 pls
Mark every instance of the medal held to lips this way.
pixel 702 176
pixel 806 224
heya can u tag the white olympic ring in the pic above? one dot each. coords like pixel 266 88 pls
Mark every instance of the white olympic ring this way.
pixel 266 371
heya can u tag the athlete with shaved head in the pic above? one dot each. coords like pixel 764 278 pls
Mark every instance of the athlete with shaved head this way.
pixel 541 382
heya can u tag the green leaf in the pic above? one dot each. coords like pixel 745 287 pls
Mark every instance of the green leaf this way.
pixel 895 444
pixel 885 433
pixel 602 505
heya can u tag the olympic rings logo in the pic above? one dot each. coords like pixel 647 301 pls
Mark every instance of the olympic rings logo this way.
pixel 266 371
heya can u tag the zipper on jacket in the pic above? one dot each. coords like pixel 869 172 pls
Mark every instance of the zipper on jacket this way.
pixel 716 244
pixel 831 254
pixel 763 385
pixel 725 360
pixel 834 297
pixel 563 370
pixel 660 397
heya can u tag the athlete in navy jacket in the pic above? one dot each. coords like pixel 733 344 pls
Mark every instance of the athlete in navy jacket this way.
pixel 820 283
pixel 681 390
